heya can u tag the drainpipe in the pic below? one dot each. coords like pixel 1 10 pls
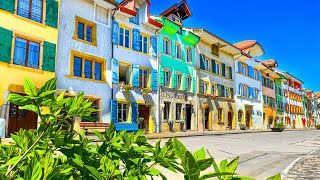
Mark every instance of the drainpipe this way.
pixel 112 49
pixel 159 89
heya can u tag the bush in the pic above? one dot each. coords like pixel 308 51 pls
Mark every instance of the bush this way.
pixel 318 126
pixel 279 125
pixel 54 152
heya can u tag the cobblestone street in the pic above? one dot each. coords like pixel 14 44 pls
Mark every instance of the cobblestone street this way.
pixel 307 167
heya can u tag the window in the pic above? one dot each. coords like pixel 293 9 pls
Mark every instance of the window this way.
pixel 95 105
pixel 213 89
pixel 188 83
pixel 226 92
pixel 87 66
pixel 124 73
pixel 167 78
pixel 122 112
pixel 215 50
pixel 245 69
pixel 178 111
pixel 220 115
pixel 206 64
pixel 231 93
pixel 166 46
pixel 178 51
pixel 124 37
pixel 178 86
pixel 245 91
pixel 102 15
pixel 221 90
pixel 85 31
pixel 166 111
pixel 144 44
pixel 31 9
pixel 256 93
pixel 203 87
pixel 218 67
pixel 135 20
pixel 143 78
pixel 271 84
pixel 189 55
pixel 255 74
pixel 26 53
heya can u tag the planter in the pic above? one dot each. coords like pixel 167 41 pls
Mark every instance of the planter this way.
pixel 243 127
pixel 277 129
pixel 170 124
pixel 182 129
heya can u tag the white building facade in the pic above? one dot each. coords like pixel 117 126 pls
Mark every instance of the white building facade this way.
pixel 134 68
pixel 84 52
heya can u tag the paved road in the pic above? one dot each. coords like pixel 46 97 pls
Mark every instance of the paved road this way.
pixel 261 154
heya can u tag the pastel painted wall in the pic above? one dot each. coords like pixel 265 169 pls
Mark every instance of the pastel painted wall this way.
pixel 101 90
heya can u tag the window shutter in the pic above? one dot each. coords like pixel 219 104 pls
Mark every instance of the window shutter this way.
pixel 250 92
pixel 231 93
pixel 259 75
pixel 173 80
pixel 213 66
pixel 136 40
pixel 202 62
pixel 115 32
pixel 115 71
pixel 134 116
pixel 8 5
pixel 154 78
pixel 52 13
pixel 223 70
pixel 114 111
pixel 251 71
pixel 135 75
pixel 49 56
pixel 239 67
pixel 230 72
pixel 201 87
pixel 194 84
pixel 154 50
pixel 268 82
pixel 5 45
pixel 161 76
pixel 240 90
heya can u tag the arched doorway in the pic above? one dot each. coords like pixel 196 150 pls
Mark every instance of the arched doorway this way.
pixel 230 117
pixel 248 114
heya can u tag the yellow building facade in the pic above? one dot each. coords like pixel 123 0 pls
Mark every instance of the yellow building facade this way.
pixel 29 35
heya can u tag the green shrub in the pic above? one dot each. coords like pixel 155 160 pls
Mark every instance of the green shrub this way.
pixel 318 126
pixel 279 125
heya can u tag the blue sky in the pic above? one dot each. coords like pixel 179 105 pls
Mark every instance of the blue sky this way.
pixel 288 30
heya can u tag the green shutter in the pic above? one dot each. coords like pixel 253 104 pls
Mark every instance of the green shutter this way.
pixel 52 13
pixel 213 66
pixel 223 70
pixel 161 75
pixel 5 45
pixel 49 57
pixel 8 5
pixel 184 82
pixel 194 84
pixel 173 80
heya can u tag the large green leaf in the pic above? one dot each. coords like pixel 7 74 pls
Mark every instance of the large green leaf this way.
pixel 241 178
pixel 213 174
pixel 180 149
pixel 192 169
pixel 204 163
pixel 19 100
pixel 223 165
pixel 32 108
pixel 30 88
pixel 34 170
pixel 13 160
pixel 95 173
pixel 200 154
pixel 276 177
pixel 50 85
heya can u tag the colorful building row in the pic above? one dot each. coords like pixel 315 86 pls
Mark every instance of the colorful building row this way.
pixel 144 71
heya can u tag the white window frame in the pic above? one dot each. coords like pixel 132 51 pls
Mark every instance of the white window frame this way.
pixel 206 64
pixel 178 80
pixel 166 46
pixel 142 42
pixel 189 54
pixel 122 109
pixel 218 68
pixel 167 78
pixel 124 36
pixel 109 15
pixel 178 51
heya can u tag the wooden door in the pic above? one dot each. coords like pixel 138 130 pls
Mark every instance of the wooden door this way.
pixel 21 119
pixel 144 112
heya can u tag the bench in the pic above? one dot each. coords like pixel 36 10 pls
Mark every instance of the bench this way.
pixel 93 125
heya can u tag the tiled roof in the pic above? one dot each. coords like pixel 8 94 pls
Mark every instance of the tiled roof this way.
pixel 243 45
pixel 271 63
pixel 317 94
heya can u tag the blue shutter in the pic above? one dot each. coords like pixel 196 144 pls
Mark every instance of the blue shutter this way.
pixel 114 111
pixel 253 112
pixel 115 71
pixel 134 107
pixel 154 45
pixel 259 75
pixel 251 71
pixel 115 32
pixel 239 67
pixel 135 75
pixel 251 92
pixel 202 62
pixel 154 78
pixel 136 40
pixel 240 90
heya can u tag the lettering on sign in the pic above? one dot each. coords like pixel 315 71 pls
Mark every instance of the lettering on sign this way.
pixel 174 95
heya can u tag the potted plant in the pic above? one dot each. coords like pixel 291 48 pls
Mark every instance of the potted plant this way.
pixel 182 126
pixel 171 124
pixel 140 121
pixel 318 126
pixel 278 127
pixel 243 126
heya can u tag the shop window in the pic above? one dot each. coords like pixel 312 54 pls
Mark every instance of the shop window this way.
pixel 178 86
pixel 124 73
pixel 26 53
pixel 220 115
pixel 102 15
pixel 124 37
pixel 178 51
pixel 166 46
pixel 85 31
pixel 143 78
pixel 167 78
pixel 144 44
pixel 122 112
pixel 189 55
pixel 166 111
pixel 31 9
pixel 178 111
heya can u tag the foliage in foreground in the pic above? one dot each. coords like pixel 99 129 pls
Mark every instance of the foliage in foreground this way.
pixel 54 152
